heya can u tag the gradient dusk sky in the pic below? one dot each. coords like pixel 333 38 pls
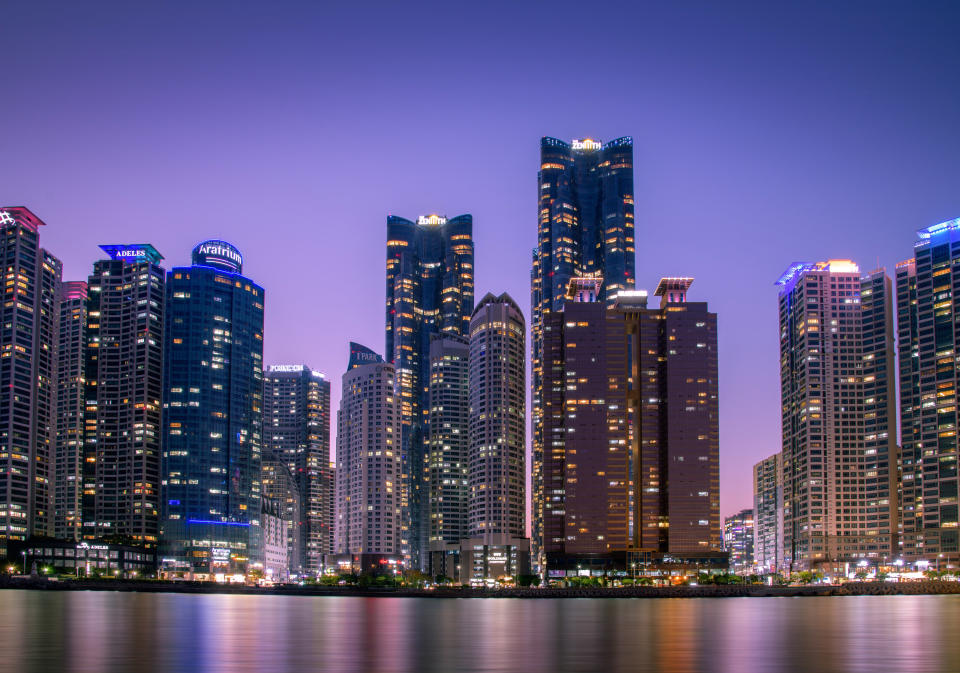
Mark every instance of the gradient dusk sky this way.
pixel 764 133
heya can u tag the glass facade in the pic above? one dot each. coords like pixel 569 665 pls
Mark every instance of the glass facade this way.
pixel 585 205
pixel 297 432
pixel 927 290
pixel 429 289
pixel 213 413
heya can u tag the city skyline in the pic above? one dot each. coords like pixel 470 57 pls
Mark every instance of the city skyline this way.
pixel 727 201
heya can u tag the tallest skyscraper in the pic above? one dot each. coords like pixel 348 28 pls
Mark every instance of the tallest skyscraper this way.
pixel 585 228
pixel 429 291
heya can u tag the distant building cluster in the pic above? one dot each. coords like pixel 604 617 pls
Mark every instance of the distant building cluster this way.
pixel 141 428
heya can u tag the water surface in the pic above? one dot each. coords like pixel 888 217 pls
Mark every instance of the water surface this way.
pixel 106 632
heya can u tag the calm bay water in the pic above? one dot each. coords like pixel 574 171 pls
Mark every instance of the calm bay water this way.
pixel 104 632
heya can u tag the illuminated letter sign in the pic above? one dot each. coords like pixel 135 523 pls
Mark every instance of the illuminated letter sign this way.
pixel 133 252
pixel 6 218
pixel 286 368
pixel 431 219
pixel 586 144
pixel 219 251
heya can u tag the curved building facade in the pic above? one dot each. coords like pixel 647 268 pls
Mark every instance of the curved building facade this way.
pixel 497 465
pixel 429 288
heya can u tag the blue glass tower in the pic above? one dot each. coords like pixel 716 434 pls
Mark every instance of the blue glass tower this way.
pixel 212 414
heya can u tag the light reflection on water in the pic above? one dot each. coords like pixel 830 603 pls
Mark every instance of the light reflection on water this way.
pixel 104 632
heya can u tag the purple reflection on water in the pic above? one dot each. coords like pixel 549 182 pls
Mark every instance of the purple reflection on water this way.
pixel 101 632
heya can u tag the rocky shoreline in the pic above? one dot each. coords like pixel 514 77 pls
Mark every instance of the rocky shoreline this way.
pixel 710 591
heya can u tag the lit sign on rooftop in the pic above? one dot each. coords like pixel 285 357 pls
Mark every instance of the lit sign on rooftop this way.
pixel 219 254
pixel 6 218
pixel 586 144
pixel 133 252
pixel 431 219
pixel 949 225
pixel 283 369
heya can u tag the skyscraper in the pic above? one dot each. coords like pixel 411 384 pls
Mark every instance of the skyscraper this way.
pixel 585 228
pixel 429 291
pixel 68 488
pixel 213 413
pixel 677 434
pixel 497 455
pixel 28 341
pixel 631 416
pixel 367 530
pixel 927 291
pixel 768 514
pixel 448 439
pixel 123 374
pixel 297 418
pixel 835 357
pixel 880 449
pixel 587 458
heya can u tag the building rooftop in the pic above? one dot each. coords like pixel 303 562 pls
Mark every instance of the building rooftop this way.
pixel 943 227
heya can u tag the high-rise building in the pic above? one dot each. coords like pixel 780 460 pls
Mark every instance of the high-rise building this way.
pixel 587 458
pixel 68 488
pixel 213 413
pixel 880 449
pixel 675 403
pixel 768 514
pixel 631 420
pixel 367 530
pixel 297 420
pixel 497 455
pixel 123 375
pixel 835 356
pixel 495 543
pixel 429 291
pixel 585 228
pixel 448 439
pixel 928 312
pixel 28 346
pixel 279 486
pixel 738 532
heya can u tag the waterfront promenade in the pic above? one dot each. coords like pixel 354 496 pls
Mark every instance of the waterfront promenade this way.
pixel 708 591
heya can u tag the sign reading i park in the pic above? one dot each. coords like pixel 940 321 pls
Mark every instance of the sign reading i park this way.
pixel 133 252
pixel 218 254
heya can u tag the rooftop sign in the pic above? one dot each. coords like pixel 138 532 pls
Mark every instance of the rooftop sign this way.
pixel 431 219
pixel 586 144
pixel 133 252
pixel 218 254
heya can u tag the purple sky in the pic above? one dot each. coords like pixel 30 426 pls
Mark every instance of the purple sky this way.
pixel 763 135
